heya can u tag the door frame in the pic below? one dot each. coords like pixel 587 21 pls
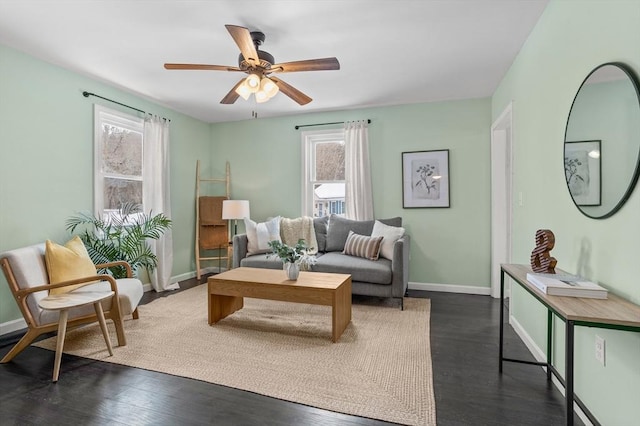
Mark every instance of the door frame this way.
pixel 501 195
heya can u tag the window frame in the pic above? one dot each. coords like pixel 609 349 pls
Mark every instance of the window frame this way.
pixel 310 139
pixel 130 122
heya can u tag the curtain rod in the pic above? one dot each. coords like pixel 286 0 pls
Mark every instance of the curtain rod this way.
pixel 324 124
pixel 87 94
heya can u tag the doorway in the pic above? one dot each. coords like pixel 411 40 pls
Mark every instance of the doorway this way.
pixel 501 195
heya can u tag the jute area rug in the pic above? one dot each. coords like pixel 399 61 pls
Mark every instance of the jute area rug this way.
pixel 380 368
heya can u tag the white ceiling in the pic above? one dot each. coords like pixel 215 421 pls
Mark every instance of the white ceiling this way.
pixel 390 51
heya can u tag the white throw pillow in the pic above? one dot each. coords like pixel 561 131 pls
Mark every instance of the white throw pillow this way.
pixel 390 235
pixel 259 234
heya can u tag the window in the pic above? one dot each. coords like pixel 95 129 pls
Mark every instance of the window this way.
pixel 118 165
pixel 323 170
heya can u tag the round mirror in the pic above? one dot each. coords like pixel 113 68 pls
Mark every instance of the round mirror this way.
pixel 602 141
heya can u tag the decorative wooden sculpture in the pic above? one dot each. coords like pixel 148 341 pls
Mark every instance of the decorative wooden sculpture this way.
pixel 541 261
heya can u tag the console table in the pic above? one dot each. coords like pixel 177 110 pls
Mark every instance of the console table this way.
pixel 611 313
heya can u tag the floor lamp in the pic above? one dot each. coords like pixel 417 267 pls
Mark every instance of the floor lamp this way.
pixel 234 210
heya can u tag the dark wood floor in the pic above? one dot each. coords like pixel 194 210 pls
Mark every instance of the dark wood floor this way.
pixel 468 388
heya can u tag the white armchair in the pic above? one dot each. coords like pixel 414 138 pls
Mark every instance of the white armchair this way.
pixel 26 274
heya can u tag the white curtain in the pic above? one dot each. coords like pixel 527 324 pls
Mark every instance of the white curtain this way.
pixel 156 196
pixel 357 170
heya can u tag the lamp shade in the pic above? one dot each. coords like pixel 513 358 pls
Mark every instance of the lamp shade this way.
pixel 243 90
pixel 235 209
pixel 269 87
pixel 253 83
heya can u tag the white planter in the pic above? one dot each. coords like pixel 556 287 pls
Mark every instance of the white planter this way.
pixel 292 270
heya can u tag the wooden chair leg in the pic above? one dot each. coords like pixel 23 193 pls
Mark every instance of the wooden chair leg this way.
pixel 135 314
pixel 103 326
pixel 62 331
pixel 26 340
pixel 116 317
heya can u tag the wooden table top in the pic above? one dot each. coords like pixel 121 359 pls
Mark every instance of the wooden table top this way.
pixel 613 310
pixel 323 280
pixel 73 299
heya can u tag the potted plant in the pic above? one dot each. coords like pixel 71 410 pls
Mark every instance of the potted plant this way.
pixel 121 235
pixel 293 258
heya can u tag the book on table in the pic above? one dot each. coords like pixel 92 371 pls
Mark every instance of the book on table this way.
pixel 566 285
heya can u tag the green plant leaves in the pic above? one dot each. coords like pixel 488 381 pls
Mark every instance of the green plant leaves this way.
pixel 121 235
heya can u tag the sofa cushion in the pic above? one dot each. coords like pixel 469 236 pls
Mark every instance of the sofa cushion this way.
pixel 320 226
pixel 68 262
pixel 260 234
pixel 363 246
pixel 339 228
pixel 390 235
pixel 262 261
pixel 363 270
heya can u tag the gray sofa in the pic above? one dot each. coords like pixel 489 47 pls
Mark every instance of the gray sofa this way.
pixel 382 277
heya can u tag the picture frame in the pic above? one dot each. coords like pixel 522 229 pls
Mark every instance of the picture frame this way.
pixel 582 169
pixel 425 179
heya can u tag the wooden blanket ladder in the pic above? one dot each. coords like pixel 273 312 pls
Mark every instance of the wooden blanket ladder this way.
pixel 212 232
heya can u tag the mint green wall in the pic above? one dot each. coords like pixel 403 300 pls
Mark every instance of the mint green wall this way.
pixel 46 166
pixel 572 38
pixel 266 168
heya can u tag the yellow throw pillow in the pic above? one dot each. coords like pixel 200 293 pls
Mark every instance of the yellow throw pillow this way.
pixel 67 262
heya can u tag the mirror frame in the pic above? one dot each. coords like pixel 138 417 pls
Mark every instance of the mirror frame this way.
pixel 634 179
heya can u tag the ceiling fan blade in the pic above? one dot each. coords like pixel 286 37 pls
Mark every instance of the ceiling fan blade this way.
pixel 200 67
pixel 291 91
pixel 232 96
pixel 242 37
pixel 308 65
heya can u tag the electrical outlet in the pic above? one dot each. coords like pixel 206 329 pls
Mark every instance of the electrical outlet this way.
pixel 600 349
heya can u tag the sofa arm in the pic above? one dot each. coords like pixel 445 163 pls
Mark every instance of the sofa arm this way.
pixel 400 267
pixel 240 242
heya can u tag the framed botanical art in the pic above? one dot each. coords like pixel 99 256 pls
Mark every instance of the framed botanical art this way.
pixel 425 179
pixel 582 161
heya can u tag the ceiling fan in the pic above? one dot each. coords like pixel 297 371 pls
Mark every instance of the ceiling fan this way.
pixel 259 65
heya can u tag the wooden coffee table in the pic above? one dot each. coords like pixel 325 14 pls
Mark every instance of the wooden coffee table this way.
pixel 227 290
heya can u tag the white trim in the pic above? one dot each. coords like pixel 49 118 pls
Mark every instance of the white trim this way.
pixel 501 194
pixel 102 115
pixel 11 326
pixel 450 288
pixel 309 140
pixel 535 350
pixel 189 275
pixel 540 356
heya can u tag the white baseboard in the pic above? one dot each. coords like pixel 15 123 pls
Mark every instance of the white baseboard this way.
pixel 187 276
pixel 535 350
pixel 11 326
pixel 541 356
pixel 450 288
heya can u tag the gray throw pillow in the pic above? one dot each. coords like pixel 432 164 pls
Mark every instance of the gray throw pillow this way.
pixel 339 228
pixel 320 226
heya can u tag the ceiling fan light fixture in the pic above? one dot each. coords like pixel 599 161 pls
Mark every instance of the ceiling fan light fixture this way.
pixel 261 96
pixel 243 90
pixel 269 87
pixel 253 82
pixel 257 64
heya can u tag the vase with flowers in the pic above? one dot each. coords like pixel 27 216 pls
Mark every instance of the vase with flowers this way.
pixel 293 258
